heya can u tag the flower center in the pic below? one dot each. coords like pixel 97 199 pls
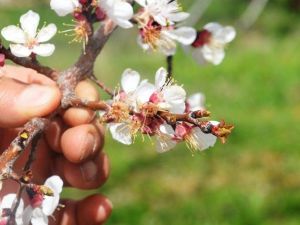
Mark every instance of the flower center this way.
pixel 151 34
pixel 80 32
pixel 203 37
pixel 31 42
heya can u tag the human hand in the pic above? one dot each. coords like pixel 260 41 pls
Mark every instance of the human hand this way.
pixel 71 147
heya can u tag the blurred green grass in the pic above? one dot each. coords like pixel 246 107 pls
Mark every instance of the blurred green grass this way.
pixel 255 177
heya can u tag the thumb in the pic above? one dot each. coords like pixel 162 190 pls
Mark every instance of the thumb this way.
pixel 19 102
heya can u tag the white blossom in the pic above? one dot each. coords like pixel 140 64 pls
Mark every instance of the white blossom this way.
pixel 195 102
pixel 163 39
pixel 26 40
pixel 165 139
pixel 166 95
pixel 164 12
pixel 199 140
pixel 64 7
pixel 211 48
pixel 8 202
pixel 119 11
pixel 39 215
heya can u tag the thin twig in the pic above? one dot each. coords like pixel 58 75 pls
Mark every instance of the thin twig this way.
pixel 170 66
pixel 102 85
pixel 33 149
pixel 12 216
pixel 29 63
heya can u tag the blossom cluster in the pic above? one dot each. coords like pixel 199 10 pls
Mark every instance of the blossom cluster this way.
pixel 159 109
pixel 156 20
pixel 43 201
pixel 143 107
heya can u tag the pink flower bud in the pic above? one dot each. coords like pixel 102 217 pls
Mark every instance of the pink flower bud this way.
pixel 2 60
pixel 100 14
pixel 203 37
pixel 82 2
pixel 4 221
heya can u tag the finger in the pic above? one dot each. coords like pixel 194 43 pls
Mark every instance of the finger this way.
pixel 41 166
pixel 54 132
pixel 65 216
pixel 81 142
pixel 25 75
pixel 76 116
pixel 93 210
pixel 88 175
pixel 20 102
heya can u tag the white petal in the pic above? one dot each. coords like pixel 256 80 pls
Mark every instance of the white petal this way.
pixel 213 55
pixel 44 49
pixel 7 201
pixel 225 35
pixel 164 140
pixel 27 214
pixel 144 92
pixel 140 42
pixel 160 19
pixel 168 50
pixel 177 17
pixel 160 77
pixel 63 7
pixel 14 34
pixel 141 2
pixel 164 145
pixel 184 35
pixel 20 50
pixel 121 132
pixel 50 203
pixel 213 27
pixel 130 80
pixel 198 56
pixel 166 129
pixel 121 12
pixel 174 94
pixel 46 33
pixel 177 108
pixel 38 217
pixel 196 102
pixel 29 23
pixel 204 141
pixel 215 123
pixel 123 23
pixel 55 183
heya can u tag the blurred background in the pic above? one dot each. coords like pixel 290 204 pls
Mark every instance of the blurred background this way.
pixel 255 177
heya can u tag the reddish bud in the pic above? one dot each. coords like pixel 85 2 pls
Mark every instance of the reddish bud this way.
pixel 83 2
pixel 77 14
pixel 100 14
pixel 182 130
pixel 2 60
pixel 203 37
pixel 4 221
pixel 155 98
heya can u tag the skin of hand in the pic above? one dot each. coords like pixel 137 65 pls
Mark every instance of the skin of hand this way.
pixel 71 147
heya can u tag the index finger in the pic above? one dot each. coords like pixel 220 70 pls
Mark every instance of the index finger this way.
pixel 25 75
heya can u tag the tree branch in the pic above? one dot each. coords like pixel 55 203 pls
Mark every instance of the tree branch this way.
pixel 29 63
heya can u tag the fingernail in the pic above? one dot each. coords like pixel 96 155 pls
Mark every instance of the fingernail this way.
pixel 33 97
pixel 89 146
pixel 104 211
pixel 89 171
pixel 109 203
